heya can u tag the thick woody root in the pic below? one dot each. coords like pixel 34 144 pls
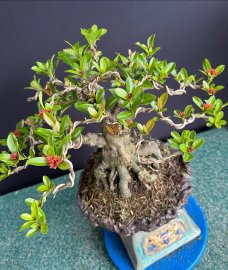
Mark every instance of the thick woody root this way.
pixel 111 166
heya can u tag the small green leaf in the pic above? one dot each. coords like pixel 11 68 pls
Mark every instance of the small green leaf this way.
pixel 110 103
pixel 75 134
pixel 183 148
pixel 26 216
pixel 220 69
pixel 37 161
pixel 32 232
pixel 121 93
pixel 149 126
pixel 48 150
pixel 188 157
pixel 92 112
pixel 63 166
pixel 125 115
pixel 198 143
pixel 51 121
pixel 162 100
pixel 198 101
pixel 206 64
pixel 26 225
pixel 44 228
pixel 12 143
pixel 42 188
pixel 100 95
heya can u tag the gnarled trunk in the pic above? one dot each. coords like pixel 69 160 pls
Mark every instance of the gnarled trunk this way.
pixel 120 155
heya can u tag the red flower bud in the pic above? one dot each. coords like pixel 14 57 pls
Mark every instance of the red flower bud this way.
pixel 41 112
pixel 129 95
pixel 190 149
pixel 53 161
pixel 212 72
pixel 182 114
pixel 81 72
pixel 212 91
pixel 14 156
pixel 207 106
pixel 16 133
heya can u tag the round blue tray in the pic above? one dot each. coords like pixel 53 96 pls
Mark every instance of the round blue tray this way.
pixel 185 258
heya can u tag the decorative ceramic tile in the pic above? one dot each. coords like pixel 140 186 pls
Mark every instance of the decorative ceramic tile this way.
pixel 145 248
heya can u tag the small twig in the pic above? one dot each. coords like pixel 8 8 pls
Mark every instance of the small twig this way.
pixel 190 120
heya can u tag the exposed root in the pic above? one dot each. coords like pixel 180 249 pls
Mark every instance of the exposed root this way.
pixel 100 173
pixel 112 177
pixel 151 204
pixel 124 180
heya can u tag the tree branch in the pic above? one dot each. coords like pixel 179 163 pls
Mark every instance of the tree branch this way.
pixel 190 120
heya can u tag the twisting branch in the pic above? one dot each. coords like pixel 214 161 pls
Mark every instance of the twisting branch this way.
pixel 113 73
pixel 190 120
pixel 142 110
pixel 70 183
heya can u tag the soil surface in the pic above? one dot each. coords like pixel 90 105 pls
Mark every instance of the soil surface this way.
pixel 146 209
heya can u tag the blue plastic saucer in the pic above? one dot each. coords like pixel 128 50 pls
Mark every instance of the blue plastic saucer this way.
pixel 185 258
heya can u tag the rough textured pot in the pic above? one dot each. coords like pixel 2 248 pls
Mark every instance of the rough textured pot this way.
pixel 145 248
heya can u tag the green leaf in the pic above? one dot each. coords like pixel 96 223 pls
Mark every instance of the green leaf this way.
pixel 125 115
pixel 162 100
pixel 46 181
pixel 170 67
pixel 42 188
pixel 51 121
pixel 129 84
pixel 121 93
pixel 188 110
pixel 206 64
pixel 37 161
pixel 48 150
pixel 183 148
pixel 32 232
pixel 92 112
pixel 110 103
pixel 44 228
pixel 63 166
pixel 26 216
pixel 75 134
pixel 100 95
pixel 12 143
pixel 26 225
pixel 5 157
pixel 198 101
pixel 82 106
pixel 149 125
pixel 188 157
pixel 65 123
pixel 198 143
pixel 147 99
pixel 220 69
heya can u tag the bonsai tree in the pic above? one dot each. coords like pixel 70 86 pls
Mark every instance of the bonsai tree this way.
pixel 112 92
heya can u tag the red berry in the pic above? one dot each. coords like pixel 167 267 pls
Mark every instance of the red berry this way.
pixel 207 106
pixel 16 133
pixel 212 72
pixel 53 161
pixel 14 156
pixel 41 112
pixel 212 91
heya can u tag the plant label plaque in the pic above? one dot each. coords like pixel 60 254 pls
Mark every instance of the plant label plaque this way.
pixel 145 248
